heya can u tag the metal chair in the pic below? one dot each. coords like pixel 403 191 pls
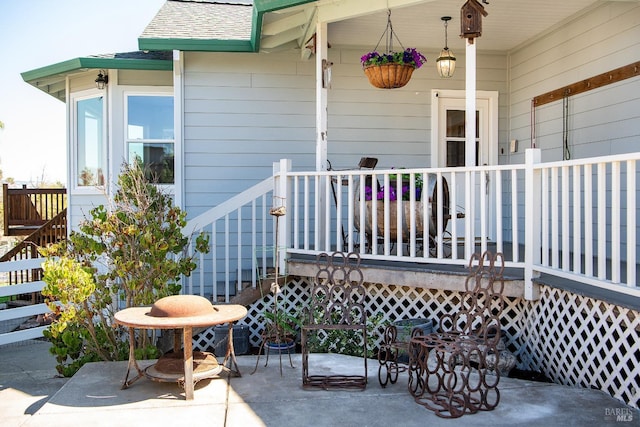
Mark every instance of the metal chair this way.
pixel 337 303
pixel 449 371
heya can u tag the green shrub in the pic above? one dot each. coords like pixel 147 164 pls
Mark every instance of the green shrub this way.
pixel 134 250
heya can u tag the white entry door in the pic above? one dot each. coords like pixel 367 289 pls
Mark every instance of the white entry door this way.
pixel 448 149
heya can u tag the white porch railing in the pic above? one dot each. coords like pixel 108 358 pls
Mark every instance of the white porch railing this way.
pixel 13 316
pixel 440 223
pixel 241 243
pixel 587 220
pixel 575 219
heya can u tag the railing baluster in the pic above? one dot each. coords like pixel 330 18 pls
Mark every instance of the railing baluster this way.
pixel 588 220
pixel 453 210
pixel 577 230
pixel 499 211
pixel 631 223
pixel 565 247
pixel 327 214
pixel 602 221
pixel 296 212
pixel 307 199
pixel 439 216
pixel 483 211
pixel 555 219
pixel 374 214
pixel 615 222
pixel 386 218
pixel 515 219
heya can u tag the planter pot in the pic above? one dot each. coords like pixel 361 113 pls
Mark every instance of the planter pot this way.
pixel 389 76
pixel 406 327
pixel 240 339
pixel 429 196
pixel 287 345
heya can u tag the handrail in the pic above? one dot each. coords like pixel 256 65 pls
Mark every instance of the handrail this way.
pixel 240 230
pixel 25 208
pixel 54 230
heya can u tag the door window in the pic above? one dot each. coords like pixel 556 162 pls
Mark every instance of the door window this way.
pixel 455 138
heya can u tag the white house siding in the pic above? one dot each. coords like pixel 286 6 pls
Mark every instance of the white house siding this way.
pixel 600 122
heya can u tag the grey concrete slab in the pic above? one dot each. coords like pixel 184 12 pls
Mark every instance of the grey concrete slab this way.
pixel 93 397
pixel 28 378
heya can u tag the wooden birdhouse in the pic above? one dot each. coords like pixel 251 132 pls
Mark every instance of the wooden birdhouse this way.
pixel 471 15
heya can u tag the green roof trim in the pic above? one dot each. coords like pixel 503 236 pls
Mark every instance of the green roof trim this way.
pixel 260 7
pixel 78 64
pixel 209 45
pixel 273 5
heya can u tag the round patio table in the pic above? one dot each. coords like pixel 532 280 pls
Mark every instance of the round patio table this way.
pixel 165 369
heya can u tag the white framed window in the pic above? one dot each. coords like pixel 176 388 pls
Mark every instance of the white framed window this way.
pixel 149 134
pixel 89 162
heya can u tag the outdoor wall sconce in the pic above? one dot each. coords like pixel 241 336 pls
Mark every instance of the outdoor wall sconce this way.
pixel 446 62
pixel 102 79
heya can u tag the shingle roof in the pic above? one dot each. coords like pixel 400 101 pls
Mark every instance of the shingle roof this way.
pixel 138 54
pixel 201 20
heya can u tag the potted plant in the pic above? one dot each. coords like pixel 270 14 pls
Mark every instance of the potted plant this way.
pixel 376 192
pixel 406 187
pixel 391 69
pixel 281 330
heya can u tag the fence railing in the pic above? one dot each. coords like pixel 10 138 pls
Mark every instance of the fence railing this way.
pixel 10 318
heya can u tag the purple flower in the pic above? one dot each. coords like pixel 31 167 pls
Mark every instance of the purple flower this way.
pixel 409 56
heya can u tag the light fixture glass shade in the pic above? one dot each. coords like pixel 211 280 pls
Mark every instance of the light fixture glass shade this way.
pixel 102 80
pixel 446 63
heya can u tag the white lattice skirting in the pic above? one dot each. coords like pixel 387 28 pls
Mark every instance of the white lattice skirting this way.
pixel 573 340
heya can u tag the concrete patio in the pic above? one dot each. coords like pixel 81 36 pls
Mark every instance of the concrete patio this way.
pixel 32 395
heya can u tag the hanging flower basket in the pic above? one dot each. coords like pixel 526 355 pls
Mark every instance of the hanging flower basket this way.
pixel 391 70
pixel 389 76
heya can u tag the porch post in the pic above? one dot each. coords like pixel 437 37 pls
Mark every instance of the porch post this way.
pixel 470 144
pixel 321 98
pixel 532 203
pixel 321 125
pixel 281 191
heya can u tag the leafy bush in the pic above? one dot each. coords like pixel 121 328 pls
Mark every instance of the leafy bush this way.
pixel 347 342
pixel 133 250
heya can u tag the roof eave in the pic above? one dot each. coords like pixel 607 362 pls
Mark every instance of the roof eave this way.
pixel 260 7
pixel 209 45
pixel 57 73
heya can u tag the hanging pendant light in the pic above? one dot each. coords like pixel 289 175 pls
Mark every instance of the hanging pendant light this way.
pixel 446 62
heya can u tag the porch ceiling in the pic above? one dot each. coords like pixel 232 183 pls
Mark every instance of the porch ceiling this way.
pixel 417 23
